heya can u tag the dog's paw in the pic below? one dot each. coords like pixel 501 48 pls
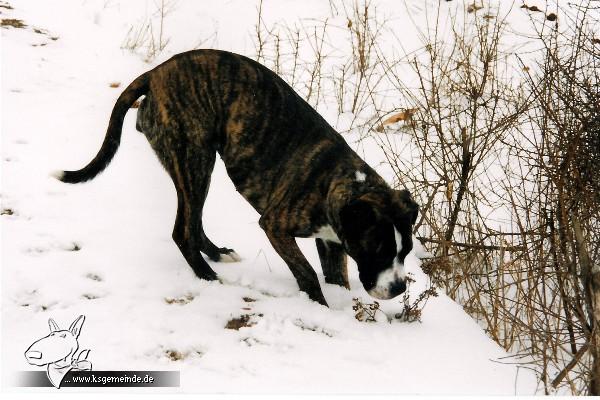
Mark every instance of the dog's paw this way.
pixel 230 256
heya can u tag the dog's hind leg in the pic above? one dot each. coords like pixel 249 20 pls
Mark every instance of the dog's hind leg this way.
pixel 187 232
pixel 201 165
pixel 190 166
pixel 333 262
pixel 175 155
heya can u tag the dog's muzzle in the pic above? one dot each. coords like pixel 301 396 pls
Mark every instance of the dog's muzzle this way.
pixel 392 290
pixel 390 283
pixel 34 357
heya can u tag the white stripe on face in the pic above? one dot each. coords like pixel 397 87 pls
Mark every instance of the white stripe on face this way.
pixel 396 273
pixel 397 264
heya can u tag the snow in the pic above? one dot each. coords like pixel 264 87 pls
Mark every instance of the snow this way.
pixel 104 250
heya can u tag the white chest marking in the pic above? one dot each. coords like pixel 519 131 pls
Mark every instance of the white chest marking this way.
pixel 360 176
pixel 326 232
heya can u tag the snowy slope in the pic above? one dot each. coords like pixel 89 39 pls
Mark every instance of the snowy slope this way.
pixel 104 249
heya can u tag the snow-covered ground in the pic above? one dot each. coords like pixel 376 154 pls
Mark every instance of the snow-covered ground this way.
pixel 103 249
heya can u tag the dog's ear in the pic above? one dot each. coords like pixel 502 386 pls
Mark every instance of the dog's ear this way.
pixel 53 325
pixel 405 208
pixel 355 217
pixel 75 327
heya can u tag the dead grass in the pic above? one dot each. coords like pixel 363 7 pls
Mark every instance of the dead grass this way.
pixel 174 355
pixel 12 23
pixel 302 325
pixel 243 321
pixel 94 277
pixel 365 312
pixel 73 247
pixel 180 300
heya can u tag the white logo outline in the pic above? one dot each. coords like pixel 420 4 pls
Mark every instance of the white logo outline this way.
pixel 59 352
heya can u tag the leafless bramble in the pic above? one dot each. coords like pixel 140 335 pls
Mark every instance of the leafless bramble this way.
pixel 365 312
pixel 501 155
pixel 412 311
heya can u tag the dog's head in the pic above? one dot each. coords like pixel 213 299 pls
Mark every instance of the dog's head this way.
pixel 377 234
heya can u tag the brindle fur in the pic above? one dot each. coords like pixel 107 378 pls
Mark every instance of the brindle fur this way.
pixel 282 156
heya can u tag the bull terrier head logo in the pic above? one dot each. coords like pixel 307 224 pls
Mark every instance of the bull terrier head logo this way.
pixel 59 352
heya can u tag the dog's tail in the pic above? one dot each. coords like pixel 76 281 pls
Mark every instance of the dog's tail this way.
pixel 112 139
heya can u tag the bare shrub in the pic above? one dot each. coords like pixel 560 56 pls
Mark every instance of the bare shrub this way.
pixel 508 173
pixel 149 35
pixel 279 47
pixel 365 312
pixel 502 152
pixel 557 204
pixel 322 71
pixel 413 310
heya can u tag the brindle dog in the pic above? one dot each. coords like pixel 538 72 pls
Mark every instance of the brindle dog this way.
pixel 283 157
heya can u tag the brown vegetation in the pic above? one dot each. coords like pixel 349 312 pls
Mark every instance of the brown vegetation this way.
pixel 504 156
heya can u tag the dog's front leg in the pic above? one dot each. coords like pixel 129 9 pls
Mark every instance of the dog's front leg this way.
pixel 333 262
pixel 305 275
pixel 285 245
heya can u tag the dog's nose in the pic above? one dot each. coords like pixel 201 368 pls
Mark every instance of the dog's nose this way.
pixel 33 357
pixel 33 354
pixel 390 291
pixel 397 287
